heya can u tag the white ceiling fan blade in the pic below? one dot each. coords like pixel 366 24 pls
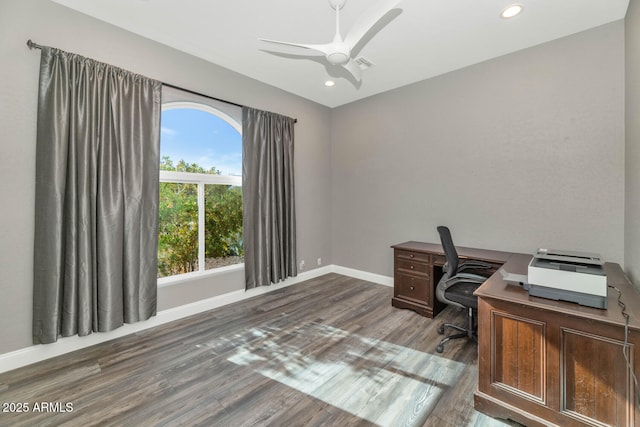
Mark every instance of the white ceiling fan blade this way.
pixel 368 20
pixel 353 67
pixel 303 49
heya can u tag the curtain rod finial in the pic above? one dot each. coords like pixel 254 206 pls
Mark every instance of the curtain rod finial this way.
pixel 33 45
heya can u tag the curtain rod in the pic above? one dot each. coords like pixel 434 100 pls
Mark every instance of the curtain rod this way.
pixel 33 45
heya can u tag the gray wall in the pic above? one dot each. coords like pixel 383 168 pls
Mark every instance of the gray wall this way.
pixel 516 153
pixel 632 154
pixel 50 24
pixel 523 151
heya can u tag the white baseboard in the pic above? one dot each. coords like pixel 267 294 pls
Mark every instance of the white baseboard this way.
pixel 363 275
pixel 37 353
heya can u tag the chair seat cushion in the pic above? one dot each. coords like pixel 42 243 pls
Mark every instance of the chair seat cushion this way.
pixel 462 293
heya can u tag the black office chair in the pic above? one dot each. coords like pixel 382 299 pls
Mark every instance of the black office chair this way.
pixel 456 288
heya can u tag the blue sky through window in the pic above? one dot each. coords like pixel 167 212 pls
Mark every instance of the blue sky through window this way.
pixel 197 136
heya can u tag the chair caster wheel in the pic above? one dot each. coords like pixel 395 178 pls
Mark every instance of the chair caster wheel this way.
pixel 441 330
pixel 440 348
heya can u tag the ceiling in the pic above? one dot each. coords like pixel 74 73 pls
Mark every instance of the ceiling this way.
pixel 417 40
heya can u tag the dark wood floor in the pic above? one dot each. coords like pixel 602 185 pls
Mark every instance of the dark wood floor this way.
pixel 327 352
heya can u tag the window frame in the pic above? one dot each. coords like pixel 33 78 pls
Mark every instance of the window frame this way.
pixel 200 179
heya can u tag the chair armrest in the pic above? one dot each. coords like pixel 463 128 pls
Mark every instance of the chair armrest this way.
pixel 474 264
pixel 445 283
pixel 467 277
pixel 458 278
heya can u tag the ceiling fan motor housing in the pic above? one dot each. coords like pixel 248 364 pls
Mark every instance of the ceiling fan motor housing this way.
pixel 337 58
pixel 339 54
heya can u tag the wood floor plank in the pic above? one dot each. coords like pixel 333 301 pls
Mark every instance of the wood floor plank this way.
pixel 329 351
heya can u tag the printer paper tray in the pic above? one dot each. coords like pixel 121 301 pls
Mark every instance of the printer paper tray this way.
pixel 588 300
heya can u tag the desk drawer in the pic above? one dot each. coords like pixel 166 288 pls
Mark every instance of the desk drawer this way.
pixel 412 266
pixel 412 287
pixel 412 256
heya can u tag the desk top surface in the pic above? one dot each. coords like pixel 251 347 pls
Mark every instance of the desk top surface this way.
pixel 463 252
pixel 496 288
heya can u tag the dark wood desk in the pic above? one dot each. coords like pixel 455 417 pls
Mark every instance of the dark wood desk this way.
pixel 541 362
pixel 417 268
pixel 544 362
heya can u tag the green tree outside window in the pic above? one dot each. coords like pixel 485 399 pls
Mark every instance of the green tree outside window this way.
pixel 178 222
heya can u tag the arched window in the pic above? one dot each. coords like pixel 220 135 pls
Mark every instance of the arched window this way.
pixel 200 213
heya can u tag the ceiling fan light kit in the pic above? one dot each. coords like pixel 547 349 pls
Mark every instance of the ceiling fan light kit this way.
pixel 338 52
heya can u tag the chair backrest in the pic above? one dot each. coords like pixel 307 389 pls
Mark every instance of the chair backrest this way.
pixel 450 252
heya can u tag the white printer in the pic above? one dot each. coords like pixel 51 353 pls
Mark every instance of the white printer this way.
pixel 568 276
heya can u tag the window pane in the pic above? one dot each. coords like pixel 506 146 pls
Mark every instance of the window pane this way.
pixel 177 229
pixel 203 142
pixel 200 222
pixel 223 225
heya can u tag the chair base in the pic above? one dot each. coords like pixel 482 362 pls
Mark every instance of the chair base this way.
pixel 468 332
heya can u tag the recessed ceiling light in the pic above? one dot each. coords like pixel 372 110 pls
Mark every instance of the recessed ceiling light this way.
pixel 329 83
pixel 511 11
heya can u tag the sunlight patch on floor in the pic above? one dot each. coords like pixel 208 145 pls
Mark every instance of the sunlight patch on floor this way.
pixel 383 383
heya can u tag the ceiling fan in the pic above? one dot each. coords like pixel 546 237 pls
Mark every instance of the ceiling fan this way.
pixel 338 52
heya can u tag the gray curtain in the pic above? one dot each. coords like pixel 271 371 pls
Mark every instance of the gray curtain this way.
pixel 269 219
pixel 97 168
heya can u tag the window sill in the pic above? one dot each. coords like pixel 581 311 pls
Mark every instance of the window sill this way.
pixel 197 275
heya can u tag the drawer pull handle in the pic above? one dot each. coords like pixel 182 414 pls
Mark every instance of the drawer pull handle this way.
pixel 411 256
pixel 411 267
pixel 412 288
